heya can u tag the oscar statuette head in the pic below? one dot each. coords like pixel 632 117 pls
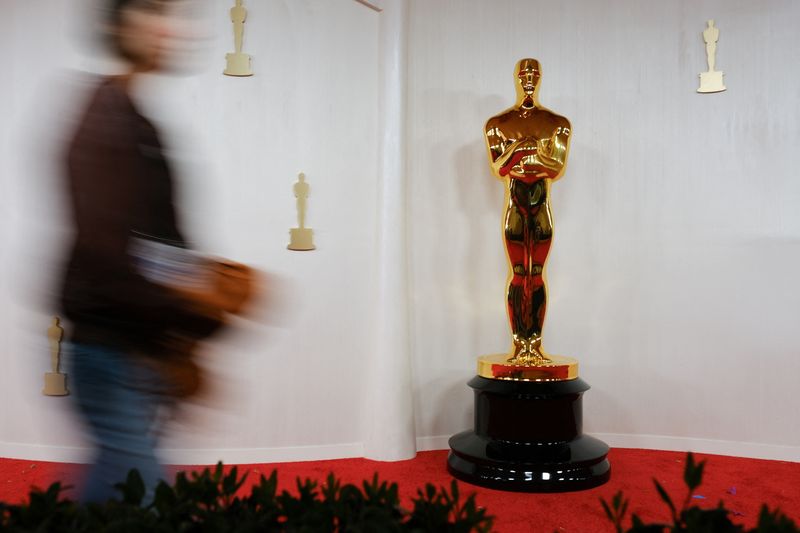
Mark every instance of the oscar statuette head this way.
pixel 527 72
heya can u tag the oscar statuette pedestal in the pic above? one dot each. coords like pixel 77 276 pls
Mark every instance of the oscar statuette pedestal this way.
pixel 711 82
pixel 237 65
pixel 528 437
pixel 301 239
pixel 528 427
pixel 55 384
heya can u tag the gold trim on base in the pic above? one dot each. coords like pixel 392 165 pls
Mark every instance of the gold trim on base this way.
pixel 501 366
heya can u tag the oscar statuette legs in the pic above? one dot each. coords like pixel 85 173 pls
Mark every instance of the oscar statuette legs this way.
pixel 528 437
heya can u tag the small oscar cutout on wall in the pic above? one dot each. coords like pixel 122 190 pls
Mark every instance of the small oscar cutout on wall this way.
pixel 711 81
pixel 238 63
pixel 55 383
pixel 301 238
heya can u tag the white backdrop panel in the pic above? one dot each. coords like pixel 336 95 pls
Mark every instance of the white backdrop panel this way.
pixel 673 270
pixel 288 380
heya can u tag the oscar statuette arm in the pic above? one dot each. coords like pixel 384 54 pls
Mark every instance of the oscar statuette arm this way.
pixel 502 150
pixel 552 151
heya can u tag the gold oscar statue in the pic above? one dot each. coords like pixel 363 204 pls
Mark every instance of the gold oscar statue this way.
pixel 528 147
pixel 55 383
pixel 301 238
pixel 527 433
pixel 711 81
pixel 238 64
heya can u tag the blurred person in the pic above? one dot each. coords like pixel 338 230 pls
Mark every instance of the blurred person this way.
pixel 137 297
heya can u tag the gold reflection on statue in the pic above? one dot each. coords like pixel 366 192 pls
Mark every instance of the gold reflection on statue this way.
pixel 528 147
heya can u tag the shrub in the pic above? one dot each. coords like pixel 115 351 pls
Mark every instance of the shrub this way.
pixel 692 519
pixel 209 501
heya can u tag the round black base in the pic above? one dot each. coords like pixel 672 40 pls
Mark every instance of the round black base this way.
pixel 528 438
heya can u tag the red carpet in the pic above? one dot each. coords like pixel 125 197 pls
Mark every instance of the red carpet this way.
pixel 743 484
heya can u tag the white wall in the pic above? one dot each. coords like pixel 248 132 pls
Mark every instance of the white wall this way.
pixel 671 273
pixel 673 270
pixel 285 376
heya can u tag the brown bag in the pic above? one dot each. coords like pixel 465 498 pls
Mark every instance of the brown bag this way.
pixel 231 289
pixel 233 283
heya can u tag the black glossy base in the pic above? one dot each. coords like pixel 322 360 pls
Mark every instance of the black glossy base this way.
pixel 528 437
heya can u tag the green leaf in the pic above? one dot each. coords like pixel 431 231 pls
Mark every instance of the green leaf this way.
pixel 132 489
pixel 616 510
pixel 693 473
pixel 607 509
pixel 232 483
pixel 165 497
pixel 218 472
pixel 664 496
pixel 709 520
pixel 775 522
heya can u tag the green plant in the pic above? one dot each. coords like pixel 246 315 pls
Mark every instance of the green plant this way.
pixel 210 501
pixel 692 519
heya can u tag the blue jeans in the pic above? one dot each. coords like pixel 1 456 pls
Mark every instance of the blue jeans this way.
pixel 117 396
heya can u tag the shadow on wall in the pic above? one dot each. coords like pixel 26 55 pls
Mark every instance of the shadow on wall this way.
pixel 454 405
pixel 455 230
pixel 457 308
pixel 480 203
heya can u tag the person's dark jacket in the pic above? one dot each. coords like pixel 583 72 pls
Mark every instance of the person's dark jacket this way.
pixel 119 185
